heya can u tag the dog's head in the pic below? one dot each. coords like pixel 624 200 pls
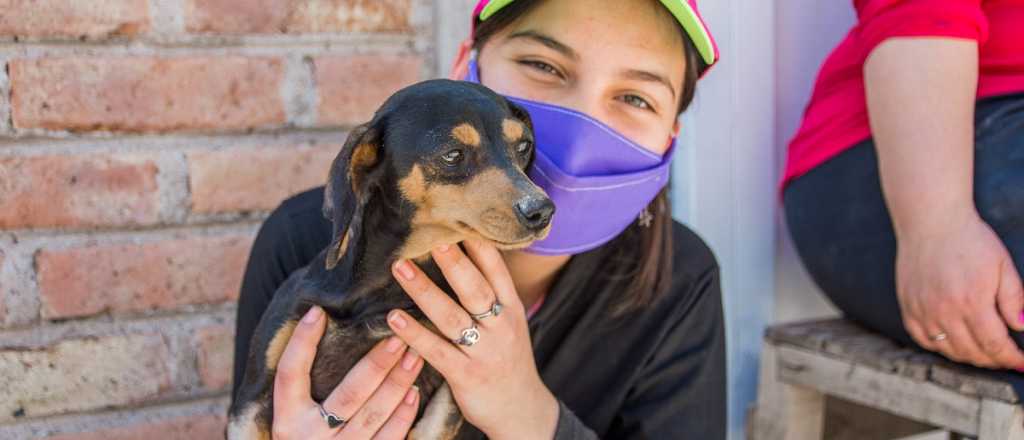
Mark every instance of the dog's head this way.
pixel 445 159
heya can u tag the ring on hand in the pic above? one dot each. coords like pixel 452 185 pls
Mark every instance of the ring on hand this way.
pixel 939 337
pixel 494 311
pixel 470 336
pixel 333 421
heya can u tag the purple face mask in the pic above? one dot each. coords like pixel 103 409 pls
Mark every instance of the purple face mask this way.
pixel 599 180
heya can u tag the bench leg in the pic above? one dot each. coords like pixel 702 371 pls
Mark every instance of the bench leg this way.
pixel 1001 421
pixel 784 411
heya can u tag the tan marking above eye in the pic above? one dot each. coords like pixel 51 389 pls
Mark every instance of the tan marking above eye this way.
pixel 511 129
pixel 466 134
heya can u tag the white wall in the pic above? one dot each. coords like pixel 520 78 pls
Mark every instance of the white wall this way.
pixel 734 141
pixel 725 181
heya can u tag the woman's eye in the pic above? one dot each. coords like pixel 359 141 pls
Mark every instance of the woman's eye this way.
pixel 523 147
pixel 540 65
pixel 637 102
pixel 452 157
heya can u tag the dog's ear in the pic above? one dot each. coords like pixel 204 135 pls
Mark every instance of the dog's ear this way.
pixel 520 113
pixel 348 188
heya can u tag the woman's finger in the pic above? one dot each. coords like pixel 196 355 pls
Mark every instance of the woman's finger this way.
pixel 920 335
pixel 993 338
pixel 398 425
pixel 384 400
pixel 472 288
pixel 963 345
pixel 291 381
pixel 364 377
pixel 449 317
pixel 488 259
pixel 441 354
pixel 1010 296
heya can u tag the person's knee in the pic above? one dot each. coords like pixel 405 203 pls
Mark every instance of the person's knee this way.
pixel 1000 201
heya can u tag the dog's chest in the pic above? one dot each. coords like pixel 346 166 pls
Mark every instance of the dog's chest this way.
pixel 344 343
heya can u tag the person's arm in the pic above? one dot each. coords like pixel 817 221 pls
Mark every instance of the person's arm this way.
pixel 954 276
pixel 682 393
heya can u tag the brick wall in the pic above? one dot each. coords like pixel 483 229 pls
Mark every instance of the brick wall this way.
pixel 141 144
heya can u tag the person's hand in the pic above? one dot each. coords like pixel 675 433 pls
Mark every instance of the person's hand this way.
pixel 959 291
pixel 377 396
pixel 495 381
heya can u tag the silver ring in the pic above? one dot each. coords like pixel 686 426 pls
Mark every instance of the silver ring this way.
pixel 939 337
pixel 333 421
pixel 469 336
pixel 494 311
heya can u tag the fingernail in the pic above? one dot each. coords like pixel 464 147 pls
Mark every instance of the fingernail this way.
pixel 409 360
pixel 410 397
pixel 443 248
pixel 313 315
pixel 396 319
pixel 404 269
pixel 394 344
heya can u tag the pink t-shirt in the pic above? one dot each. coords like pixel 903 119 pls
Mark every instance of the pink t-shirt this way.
pixel 837 117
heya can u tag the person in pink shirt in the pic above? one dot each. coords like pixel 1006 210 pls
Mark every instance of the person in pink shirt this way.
pixel 904 186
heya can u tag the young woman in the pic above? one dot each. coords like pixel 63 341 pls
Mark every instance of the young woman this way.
pixel 904 184
pixel 612 326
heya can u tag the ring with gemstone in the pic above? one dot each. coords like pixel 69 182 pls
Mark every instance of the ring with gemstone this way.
pixel 494 311
pixel 470 336
pixel 333 421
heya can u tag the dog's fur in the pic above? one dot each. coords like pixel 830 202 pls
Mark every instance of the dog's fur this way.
pixel 391 195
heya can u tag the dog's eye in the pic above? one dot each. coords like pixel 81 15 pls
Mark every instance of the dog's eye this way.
pixel 523 147
pixel 452 157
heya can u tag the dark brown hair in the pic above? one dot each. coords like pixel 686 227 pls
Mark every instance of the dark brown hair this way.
pixel 641 256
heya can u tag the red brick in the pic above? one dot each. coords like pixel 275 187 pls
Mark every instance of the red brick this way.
pixel 124 278
pixel 352 87
pixel 83 374
pixel 256 179
pixel 215 356
pixel 63 19
pixel 297 16
pixel 77 191
pixel 146 94
pixel 182 428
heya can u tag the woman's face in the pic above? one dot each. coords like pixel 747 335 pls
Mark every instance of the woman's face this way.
pixel 619 61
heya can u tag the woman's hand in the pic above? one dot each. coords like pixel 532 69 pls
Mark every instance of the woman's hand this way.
pixel 376 397
pixel 959 281
pixel 954 277
pixel 495 381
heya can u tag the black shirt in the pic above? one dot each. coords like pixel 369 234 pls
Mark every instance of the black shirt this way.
pixel 658 373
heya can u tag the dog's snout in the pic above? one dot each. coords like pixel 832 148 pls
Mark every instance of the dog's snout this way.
pixel 535 212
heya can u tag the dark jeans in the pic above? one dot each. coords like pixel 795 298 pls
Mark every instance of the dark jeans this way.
pixel 843 233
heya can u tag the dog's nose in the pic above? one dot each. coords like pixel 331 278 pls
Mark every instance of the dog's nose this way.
pixel 535 212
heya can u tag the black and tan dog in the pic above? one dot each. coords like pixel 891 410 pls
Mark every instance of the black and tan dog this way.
pixel 441 161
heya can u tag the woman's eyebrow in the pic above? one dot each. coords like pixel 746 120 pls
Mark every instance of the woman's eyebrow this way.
pixel 643 75
pixel 546 40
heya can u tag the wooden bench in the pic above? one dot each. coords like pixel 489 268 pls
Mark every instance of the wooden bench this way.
pixel 803 363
